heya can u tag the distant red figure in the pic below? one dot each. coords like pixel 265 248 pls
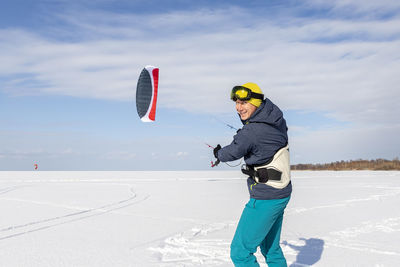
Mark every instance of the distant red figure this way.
pixel 36 166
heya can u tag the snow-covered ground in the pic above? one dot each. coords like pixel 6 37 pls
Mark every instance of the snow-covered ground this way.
pixel 189 218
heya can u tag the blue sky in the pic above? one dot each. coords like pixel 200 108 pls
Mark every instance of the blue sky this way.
pixel 69 72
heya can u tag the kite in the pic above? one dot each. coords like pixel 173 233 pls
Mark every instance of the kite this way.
pixel 146 94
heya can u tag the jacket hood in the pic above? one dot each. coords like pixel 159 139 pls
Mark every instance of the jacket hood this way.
pixel 267 112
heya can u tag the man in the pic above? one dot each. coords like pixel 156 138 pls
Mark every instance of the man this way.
pixel 263 142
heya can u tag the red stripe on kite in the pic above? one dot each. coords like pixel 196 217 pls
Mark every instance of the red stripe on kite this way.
pixel 152 115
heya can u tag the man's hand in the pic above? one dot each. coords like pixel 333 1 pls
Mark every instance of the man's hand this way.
pixel 218 147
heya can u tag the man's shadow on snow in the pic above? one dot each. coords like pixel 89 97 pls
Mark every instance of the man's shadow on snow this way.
pixel 309 254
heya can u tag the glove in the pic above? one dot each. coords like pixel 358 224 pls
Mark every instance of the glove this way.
pixel 218 147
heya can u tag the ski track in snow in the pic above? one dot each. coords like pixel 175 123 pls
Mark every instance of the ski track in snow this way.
pixel 198 247
pixel 392 192
pixel 347 238
pixel 388 225
pixel 195 247
pixel 10 188
pixel 82 213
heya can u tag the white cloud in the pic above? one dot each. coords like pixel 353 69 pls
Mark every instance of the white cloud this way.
pixel 365 8
pixel 119 155
pixel 355 80
pixel 182 154
pixel 328 145
pixel 31 154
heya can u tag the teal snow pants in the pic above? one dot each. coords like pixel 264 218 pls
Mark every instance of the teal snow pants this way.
pixel 259 226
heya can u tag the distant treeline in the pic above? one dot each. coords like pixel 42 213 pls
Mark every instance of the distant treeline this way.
pixel 360 164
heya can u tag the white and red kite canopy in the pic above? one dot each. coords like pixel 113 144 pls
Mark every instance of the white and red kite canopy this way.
pixel 146 93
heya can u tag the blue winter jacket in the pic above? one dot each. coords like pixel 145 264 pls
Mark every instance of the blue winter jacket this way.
pixel 262 135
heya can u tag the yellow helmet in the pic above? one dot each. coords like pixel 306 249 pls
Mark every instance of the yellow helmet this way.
pixel 249 92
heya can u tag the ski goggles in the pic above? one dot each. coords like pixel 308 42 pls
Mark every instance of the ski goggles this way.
pixel 244 94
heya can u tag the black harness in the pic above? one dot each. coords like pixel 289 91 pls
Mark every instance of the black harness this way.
pixel 264 174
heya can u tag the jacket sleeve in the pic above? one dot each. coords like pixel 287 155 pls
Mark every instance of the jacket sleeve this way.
pixel 240 146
